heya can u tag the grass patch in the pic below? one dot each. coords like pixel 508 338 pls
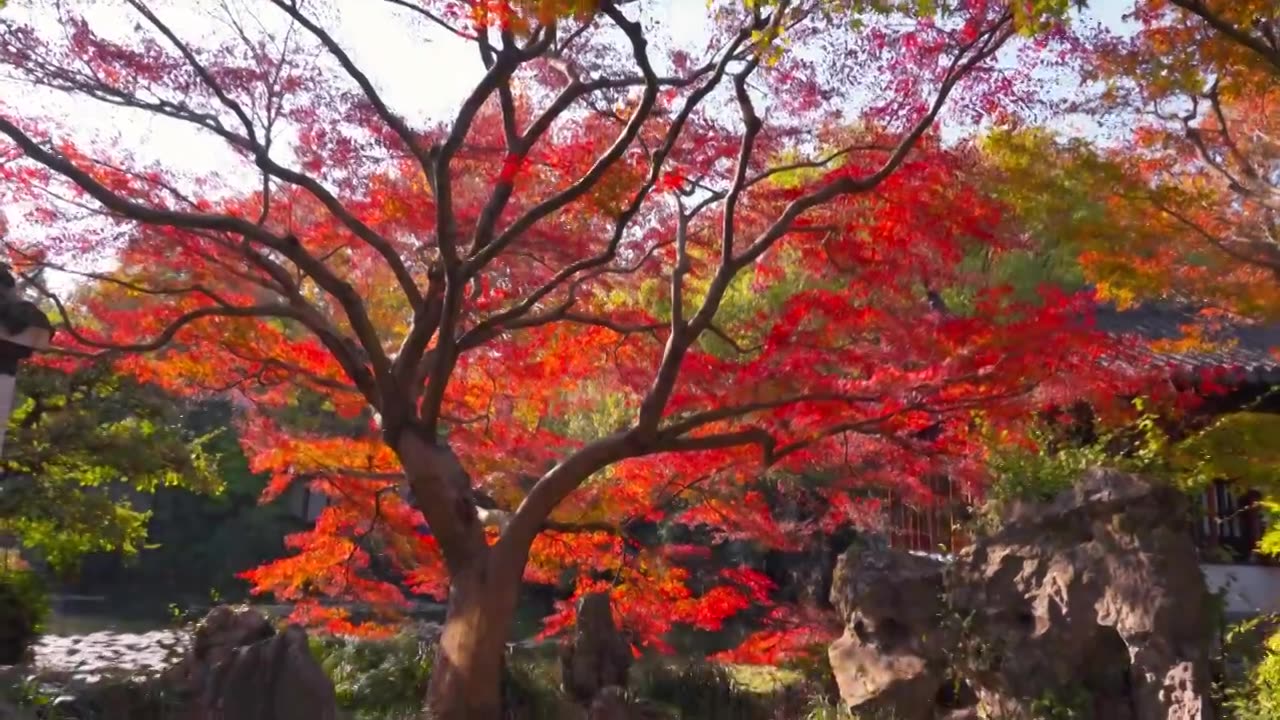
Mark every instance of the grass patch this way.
pixel 764 680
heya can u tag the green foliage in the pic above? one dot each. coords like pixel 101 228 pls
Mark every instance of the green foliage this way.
pixel 1238 445
pixel 706 691
pixel 821 708
pixel 386 680
pixel 1051 211
pixel 1051 465
pixel 85 450
pixel 1073 704
pixel 1021 473
pixel 694 689
pixel 1241 446
pixel 532 685
pixel 22 698
pixel 1033 16
pixel 201 540
pixel 1256 696
pixel 24 607
pixel 376 679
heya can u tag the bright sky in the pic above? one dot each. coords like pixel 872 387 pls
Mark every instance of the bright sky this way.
pixel 422 72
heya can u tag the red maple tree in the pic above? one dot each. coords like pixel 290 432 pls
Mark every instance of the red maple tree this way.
pixel 626 279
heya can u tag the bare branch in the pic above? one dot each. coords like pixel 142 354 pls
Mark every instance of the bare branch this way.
pixel 609 253
pixel 986 46
pixel 682 334
pixel 430 16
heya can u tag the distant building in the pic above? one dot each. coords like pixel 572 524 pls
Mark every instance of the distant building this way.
pixel 1244 361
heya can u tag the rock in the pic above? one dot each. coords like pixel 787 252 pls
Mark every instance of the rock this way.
pixel 804 575
pixel 597 656
pixel 239 668
pixel 272 679
pixel 213 643
pixel 114 700
pixel 891 657
pixel 226 628
pixel 1092 603
pixel 610 704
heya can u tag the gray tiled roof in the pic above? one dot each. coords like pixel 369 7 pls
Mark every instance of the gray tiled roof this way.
pixel 1248 350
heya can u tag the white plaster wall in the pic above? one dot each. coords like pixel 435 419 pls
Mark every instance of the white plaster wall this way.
pixel 7 388
pixel 1250 589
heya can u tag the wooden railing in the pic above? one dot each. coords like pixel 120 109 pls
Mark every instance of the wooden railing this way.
pixel 1229 523
pixel 935 525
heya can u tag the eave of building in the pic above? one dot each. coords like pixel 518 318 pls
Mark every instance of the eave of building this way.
pixel 1241 352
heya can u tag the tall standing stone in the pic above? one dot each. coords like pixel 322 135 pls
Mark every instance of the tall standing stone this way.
pixel 597 656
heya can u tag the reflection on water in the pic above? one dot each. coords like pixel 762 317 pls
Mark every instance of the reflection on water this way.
pixel 66 624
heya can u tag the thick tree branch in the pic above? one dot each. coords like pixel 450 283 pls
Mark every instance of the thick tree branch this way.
pixel 558 482
pixel 455 276
pixel 1231 31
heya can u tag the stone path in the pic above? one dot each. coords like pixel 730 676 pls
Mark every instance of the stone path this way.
pixel 91 657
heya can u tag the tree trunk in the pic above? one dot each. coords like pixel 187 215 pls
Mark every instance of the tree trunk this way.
pixel 466 678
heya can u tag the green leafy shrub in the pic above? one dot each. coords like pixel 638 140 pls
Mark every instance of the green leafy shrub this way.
pixel 86 449
pixel 24 607
pixel 697 690
pixel 387 679
pixel 1052 463
pixel 1069 704
pixel 21 698
pixel 532 686
pixel 823 708
pixel 376 679
pixel 1253 690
